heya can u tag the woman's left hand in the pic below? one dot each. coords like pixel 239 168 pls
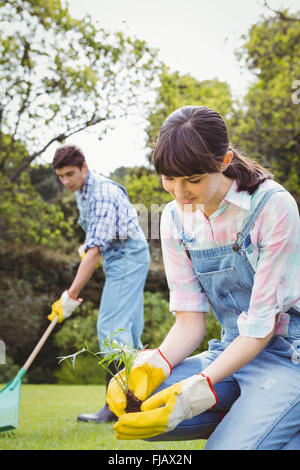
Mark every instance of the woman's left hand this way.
pixel 163 411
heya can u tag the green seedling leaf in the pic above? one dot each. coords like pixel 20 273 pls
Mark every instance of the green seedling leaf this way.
pixel 114 351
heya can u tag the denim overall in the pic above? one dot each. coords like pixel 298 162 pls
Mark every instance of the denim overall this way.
pixel 263 396
pixel 125 265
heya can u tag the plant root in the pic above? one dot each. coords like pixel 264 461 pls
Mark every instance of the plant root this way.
pixel 133 403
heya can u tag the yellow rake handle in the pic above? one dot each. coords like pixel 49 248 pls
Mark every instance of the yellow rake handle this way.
pixel 40 344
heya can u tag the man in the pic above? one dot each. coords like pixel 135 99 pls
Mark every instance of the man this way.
pixel 112 230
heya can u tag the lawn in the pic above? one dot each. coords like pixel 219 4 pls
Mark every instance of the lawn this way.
pixel 47 421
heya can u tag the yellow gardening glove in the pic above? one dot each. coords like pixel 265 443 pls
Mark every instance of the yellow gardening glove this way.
pixel 63 307
pixel 165 410
pixel 81 252
pixel 149 370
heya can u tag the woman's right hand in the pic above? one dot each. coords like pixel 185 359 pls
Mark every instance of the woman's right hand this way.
pixel 149 370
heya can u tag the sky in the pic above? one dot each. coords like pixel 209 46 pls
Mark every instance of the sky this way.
pixel 196 37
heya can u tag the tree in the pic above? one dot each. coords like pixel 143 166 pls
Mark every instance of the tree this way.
pixel 45 181
pixel 268 124
pixel 60 75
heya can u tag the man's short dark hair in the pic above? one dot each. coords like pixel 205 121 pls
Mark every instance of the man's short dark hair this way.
pixel 68 155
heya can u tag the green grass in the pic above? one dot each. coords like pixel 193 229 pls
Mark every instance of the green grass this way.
pixel 47 421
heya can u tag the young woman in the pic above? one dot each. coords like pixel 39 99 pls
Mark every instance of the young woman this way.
pixel 231 243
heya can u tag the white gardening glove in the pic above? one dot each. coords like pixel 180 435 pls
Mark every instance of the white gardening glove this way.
pixel 165 410
pixel 64 307
pixel 149 370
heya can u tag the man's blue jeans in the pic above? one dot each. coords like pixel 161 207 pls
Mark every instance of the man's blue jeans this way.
pixel 122 302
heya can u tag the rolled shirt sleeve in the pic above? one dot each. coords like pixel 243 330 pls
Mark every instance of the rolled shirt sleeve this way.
pixel 185 290
pixel 277 276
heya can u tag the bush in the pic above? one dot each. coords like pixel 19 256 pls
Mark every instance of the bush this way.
pixel 213 330
pixel 73 335
pixel 157 319
pixel 22 318
pixel 9 370
pixel 78 330
pixel 86 372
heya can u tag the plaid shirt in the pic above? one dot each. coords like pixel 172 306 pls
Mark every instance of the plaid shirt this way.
pixel 105 212
pixel 274 254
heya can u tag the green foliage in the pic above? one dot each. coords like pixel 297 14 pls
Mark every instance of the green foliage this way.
pixel 9 370
pixel 148 196
pixel 45 181
pixel 58 75
pixel 63 75
pixel 157 319
pixel 26 218
pixel 21 318
pixel 180 90
pixel 86 372
pixel 267 125
pixel 31 280
pixel 213 331
pixel 146 190
pixel 123 355
pixel 143 186
pixel 78 330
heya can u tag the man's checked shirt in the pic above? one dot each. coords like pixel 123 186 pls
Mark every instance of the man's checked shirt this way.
pixel 106 211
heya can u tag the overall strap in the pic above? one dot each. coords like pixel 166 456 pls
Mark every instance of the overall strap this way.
pixel 244 234
pixel 178 224
pixel 182 237
pixel 102 179
pixel 254 216
pixel 176 219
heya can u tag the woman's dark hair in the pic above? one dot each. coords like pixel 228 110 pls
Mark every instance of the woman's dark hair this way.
pixel 194 140
pixel 68 155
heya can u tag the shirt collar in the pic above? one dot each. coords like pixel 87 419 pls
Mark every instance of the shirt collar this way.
pixel 241 199
pixel 84 192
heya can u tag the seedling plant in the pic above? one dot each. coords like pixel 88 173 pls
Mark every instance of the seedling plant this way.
pixel 122 354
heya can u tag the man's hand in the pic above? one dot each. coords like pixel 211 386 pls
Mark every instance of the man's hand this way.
pixel 149 370
pixel 165 410
pixel 64 307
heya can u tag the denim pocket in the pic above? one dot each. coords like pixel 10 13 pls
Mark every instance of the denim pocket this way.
pixel 225 286
pixel 285 347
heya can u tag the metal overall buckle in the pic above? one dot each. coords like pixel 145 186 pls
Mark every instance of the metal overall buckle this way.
pixel 238 242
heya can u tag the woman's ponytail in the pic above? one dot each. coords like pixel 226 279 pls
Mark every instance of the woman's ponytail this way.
pixel 247 173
